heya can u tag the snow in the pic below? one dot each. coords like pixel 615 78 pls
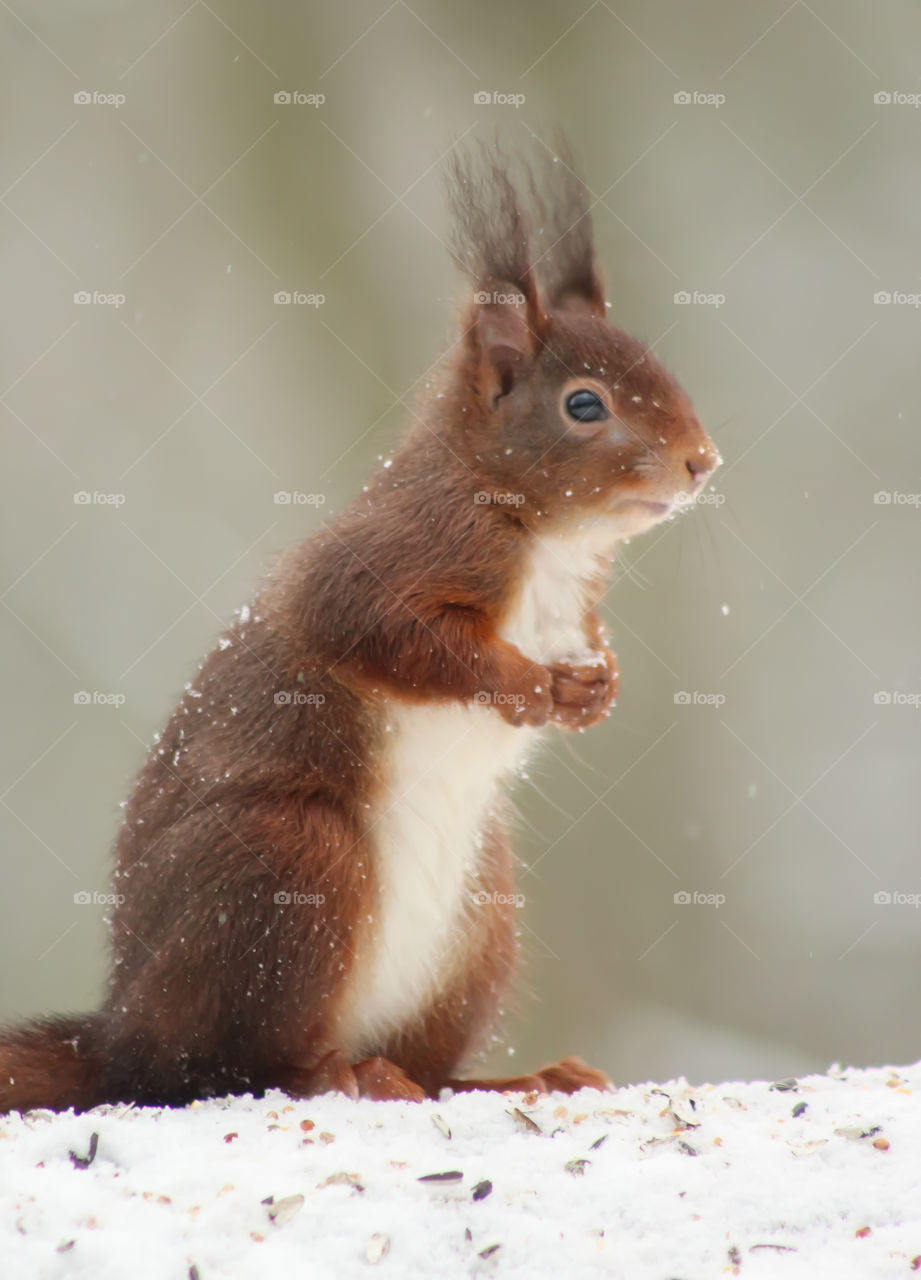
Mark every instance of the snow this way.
pixel 647 1181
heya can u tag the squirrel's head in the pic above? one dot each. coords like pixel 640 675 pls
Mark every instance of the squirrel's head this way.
pixel 550 401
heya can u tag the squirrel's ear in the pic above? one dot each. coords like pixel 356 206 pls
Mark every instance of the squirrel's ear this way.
pixel 584 291
pixel 504 342
pixel 491 245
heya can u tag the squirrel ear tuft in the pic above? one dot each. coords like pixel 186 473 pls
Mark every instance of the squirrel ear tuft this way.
pixel 569 270
pixel 491 245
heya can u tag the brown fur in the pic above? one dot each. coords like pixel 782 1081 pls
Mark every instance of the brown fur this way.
pixel 220 985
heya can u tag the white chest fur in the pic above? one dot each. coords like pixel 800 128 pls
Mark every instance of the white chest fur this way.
pixel 445 764
pixel 547 620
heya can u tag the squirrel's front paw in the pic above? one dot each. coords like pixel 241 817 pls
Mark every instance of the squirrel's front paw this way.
pixel 582 693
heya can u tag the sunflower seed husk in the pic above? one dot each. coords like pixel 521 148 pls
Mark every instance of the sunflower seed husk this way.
pixel 377 1247
pixel 282 1211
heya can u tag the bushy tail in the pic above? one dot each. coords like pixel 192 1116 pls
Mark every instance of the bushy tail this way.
pixel 52 1062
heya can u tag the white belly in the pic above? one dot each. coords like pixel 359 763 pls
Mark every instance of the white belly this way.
pixel 445 766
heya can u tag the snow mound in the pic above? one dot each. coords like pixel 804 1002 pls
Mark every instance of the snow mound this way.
pixel 795 1179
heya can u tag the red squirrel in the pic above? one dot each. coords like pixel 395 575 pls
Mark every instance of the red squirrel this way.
pixel 314 881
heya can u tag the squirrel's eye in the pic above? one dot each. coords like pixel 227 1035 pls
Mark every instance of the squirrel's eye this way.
pixel 586 406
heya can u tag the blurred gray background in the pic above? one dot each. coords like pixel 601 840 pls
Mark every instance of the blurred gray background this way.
pixel 783 198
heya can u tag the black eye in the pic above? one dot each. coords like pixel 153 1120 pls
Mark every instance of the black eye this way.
pixel 586 406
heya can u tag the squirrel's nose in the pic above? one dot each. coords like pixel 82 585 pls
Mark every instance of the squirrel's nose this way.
pixel 702 463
